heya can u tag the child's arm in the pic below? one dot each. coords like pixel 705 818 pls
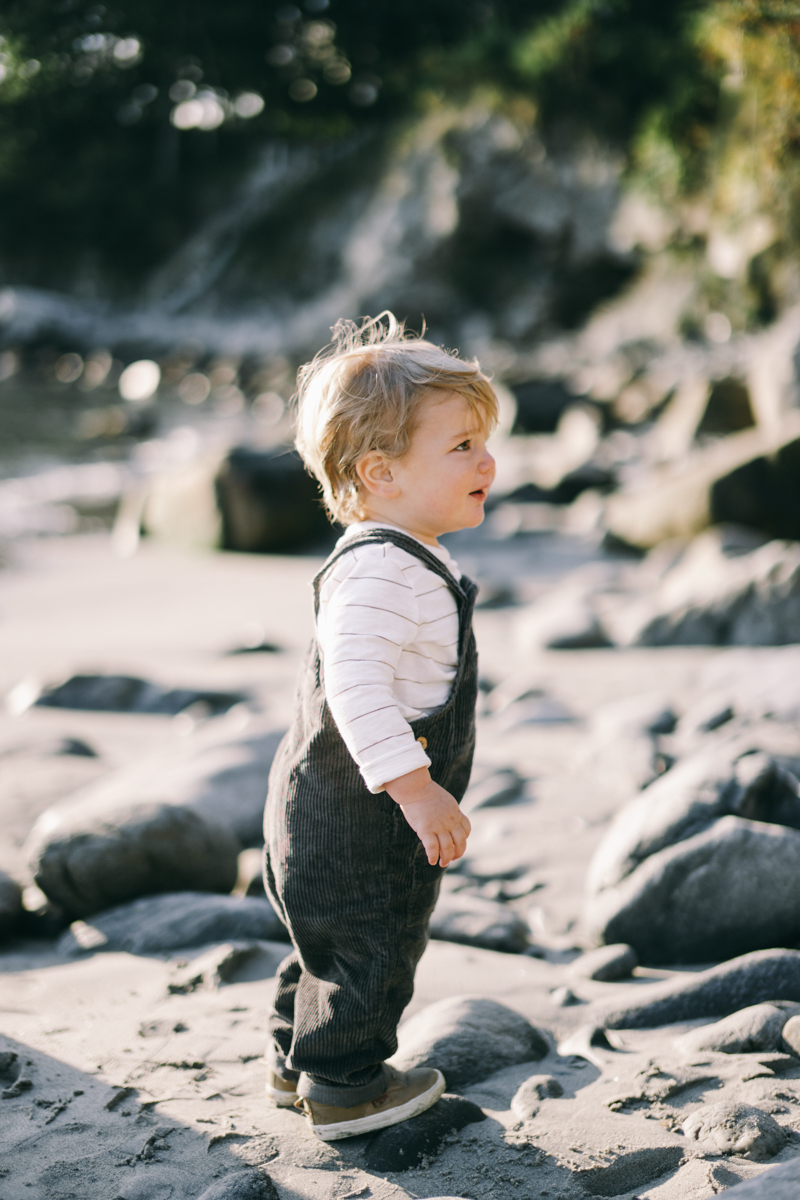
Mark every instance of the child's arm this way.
pixel 433 814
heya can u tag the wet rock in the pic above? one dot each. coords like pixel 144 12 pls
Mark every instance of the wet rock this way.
pixel 749 1031
pixel 476 921
pixel 765 975
pixel 778 1183
pixel 156 924
pixel 126 693
pixel 401 1147
pixel 10 906
pixel 740 1129
pixel 176 822
pixel 529 1096
pixel 628 1171
pixel 468 1038
pixel 723 892
pixel 717 484
pixel 606 963
pixel 241 1185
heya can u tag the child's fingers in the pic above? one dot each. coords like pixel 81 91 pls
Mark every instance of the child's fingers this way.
pixel 459 837
pixel 430 843
pixel 446 849
pixel 465 824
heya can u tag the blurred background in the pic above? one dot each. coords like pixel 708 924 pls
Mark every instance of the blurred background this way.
pixel 598 199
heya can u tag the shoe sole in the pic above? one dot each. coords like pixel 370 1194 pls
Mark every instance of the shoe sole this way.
pixel 393 1116
pixel 280 1098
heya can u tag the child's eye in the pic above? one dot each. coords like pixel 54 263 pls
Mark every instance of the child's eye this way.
pixel 465 445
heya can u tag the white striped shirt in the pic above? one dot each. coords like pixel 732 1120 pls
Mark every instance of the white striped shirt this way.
pixel 388 634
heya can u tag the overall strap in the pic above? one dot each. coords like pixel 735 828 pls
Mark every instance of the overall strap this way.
pixel 377 537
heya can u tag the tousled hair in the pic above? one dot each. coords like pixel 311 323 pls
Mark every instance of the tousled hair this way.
pixel 365 391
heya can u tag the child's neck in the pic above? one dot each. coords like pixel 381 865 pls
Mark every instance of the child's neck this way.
pixel 383 519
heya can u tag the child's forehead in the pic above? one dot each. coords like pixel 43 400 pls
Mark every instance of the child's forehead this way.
pixel 440 409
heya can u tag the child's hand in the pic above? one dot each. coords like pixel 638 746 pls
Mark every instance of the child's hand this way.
pixel 433 814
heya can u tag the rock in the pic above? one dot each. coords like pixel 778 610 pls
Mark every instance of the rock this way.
pixel 248 499
pixel 757 683
pixel 564 619
pixel 765 975
pixel 401 1147
pixel 10 906
pixel 711 598
pixel 790 1036
pixel 528 1097
pixel 731 1128
pixel 749 1031
pixel 126 693
pixel 622 737
pixel 493 791
pixel 778 1183
pixel 606 963
pixel 721 481
pixel 733 779
pixel 175 822
pixel 563 997
pixel 156 924
pixel 468 1038
pixel 210 970
pixel 723 892
pixel 628 1171
pixel 475 921
pixel 241 1185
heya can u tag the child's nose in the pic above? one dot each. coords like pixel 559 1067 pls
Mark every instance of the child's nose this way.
pixel 487 464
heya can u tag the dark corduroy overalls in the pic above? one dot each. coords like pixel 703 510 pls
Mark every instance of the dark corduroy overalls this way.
pixel 349 876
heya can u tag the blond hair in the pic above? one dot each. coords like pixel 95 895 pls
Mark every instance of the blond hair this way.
pixel 364 392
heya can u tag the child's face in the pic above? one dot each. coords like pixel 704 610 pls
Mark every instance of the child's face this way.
pixel 441 483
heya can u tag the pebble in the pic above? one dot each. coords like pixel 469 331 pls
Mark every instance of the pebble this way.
pixel 790 1036
pixel 740 1129
pixel 468 1038
pixel 241 1185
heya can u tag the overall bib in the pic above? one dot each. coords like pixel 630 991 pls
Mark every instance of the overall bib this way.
pixel 348 875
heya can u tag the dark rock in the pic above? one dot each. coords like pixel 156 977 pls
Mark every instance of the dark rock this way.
pixel 10 906
pixel 475 921
pixel 540 405
pixel 628 1171
pixel 717 484
pixel 731 1128
pixel 76 746
pixel 126 693
pixel 401 1147
pixel 564 997
pixel 468 1038
pixel 268 502
pixel 606 963
pixel 495 790
pixel 92 856
pixel 176 822
pixel 210 970
pixel 765 975
pixel 733 779
pixel 778 1183
pixel 529 1095
pixel 752 1030
pixel 723 892
pixel 241 1185
pixel 156 924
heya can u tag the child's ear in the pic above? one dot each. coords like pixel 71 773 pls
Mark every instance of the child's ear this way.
pixel 374 471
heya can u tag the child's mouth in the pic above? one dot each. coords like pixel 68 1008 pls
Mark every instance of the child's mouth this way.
pixel 479 494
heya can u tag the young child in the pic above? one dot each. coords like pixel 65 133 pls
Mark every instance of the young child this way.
pixel 362 811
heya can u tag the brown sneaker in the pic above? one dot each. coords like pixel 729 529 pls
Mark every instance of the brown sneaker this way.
pixel 281 1091
pixel 408 1094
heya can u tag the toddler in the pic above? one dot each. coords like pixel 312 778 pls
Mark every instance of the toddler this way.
pixel 362 810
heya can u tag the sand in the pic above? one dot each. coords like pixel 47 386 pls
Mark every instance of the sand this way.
pixel 140 1094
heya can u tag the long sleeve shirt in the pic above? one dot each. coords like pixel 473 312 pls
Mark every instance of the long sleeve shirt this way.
pixel 388 633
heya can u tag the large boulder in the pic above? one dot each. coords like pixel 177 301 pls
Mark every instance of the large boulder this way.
pixel 158 924
pixel 246 499
pixel 765 975
pixel 749 477
pixel 725 891
pixel 711 597
pixel 468 1038
pixel 729 780
pixel 752 1030
pixel 176 822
